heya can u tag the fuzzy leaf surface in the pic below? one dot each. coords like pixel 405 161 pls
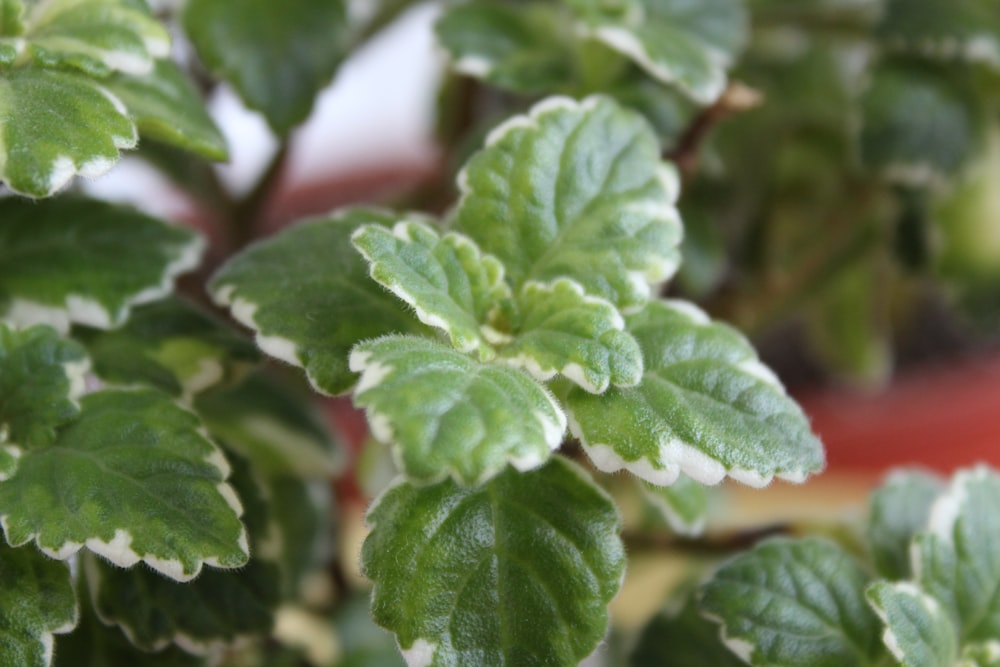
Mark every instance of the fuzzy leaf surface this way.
pixel 679 42
pixel 276 54
pixel 76 260
pixel 54 125
pixel 898 510
pixel 134 479
pixel 165 106
pixel 683 505
pixel 706 407
pixel 41 378
pixel 562 330
pixel 307 294
pixel 449 283
pixel 575 190
pixel 38 601
pixel 917 630
pixel 945 29
pixel 517 571
pixel 517 47
pixel 794 603
pixel 448 414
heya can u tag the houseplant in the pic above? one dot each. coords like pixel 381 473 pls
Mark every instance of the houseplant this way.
pixel 507 353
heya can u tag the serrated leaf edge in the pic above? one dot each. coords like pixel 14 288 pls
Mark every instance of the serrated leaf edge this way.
pixel 932 606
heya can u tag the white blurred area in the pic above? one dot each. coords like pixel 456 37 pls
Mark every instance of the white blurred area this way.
pixel 377 111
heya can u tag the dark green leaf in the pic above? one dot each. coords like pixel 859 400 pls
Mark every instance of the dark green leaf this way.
pixel 682 639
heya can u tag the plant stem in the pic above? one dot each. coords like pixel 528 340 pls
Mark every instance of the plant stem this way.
pixel 244 215
pixel 720 545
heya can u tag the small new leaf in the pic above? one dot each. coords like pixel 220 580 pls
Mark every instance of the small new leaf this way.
pixel 109 259
pixel 561 329
pixel 917 631
pixel 448 414
pixel 518 571
pixel 795 603
pixel 449 283
pixel 37 598
pixel 134 479
pixel 706 407
pixel 683 504
pixel 575 190
pixel 898 510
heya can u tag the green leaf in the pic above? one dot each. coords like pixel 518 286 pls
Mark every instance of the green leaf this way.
pixel 307 294
pixel 276 54
pixel 518 571
pixel 202 616
pixel 274 427
pixel 363 643
pixel 897 511
pixel 36 595
pixel 171 345
pixel 683 504
pixel 449 283
pixel 986 654
pixel 682 639
pixel 448 414
pixel 561 329
pixel 301 512
pixel 944 29
pixel 917 630
pixel 706 407
pixel 684 43
pixel 11 18
pixel 41 378
pixel 520 48
pixel 918 124
pixel 165 106
pixel 109 259
pixel 794 602
pixel 54 125
pixel 575 190
pixel 133 479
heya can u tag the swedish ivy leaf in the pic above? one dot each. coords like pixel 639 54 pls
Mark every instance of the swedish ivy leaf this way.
pixel 54 125
pixel 706 407
pixel 276 54
pixel 918 124
pixel 448 414
pixel 11 20
pixel 449 283
pixel 213 611
pixel 682 638
pixel 945 29
pixel 794 602
pixel 683 504
pixel 301 516
pixel 917 630
pixel 561 329
pixel 133 479
pixel 41 376
pixel 166 107
pixel 684 43
pixel 576 190
pixel 172 345
pixel 38 601
pixel 274 427
pixel 518 47
pixel 307 294
pixel 518 571
pixel 77 260
pixel 898 510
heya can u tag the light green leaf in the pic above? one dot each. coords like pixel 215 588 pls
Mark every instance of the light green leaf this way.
pixel 276 54
pixel 449 283
pixel 520 48
pixel 448 414
pixel 522 568
pixel 794 603
pixel 76 260
pixel 986 654
pixel 684 43
pixel 11 20
pixel 918 123
pixel 682 639
pixel 41 378
pixel 917 630
pixel 36 595
pixel 273 426
pixel 706 407
pixel 166 107
pixel 897 511
pixel 575 190
pixel 944 29
pixel 54 125
pixel 561 329
pixel 683 504
pixel 308 295
pixel 133 479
